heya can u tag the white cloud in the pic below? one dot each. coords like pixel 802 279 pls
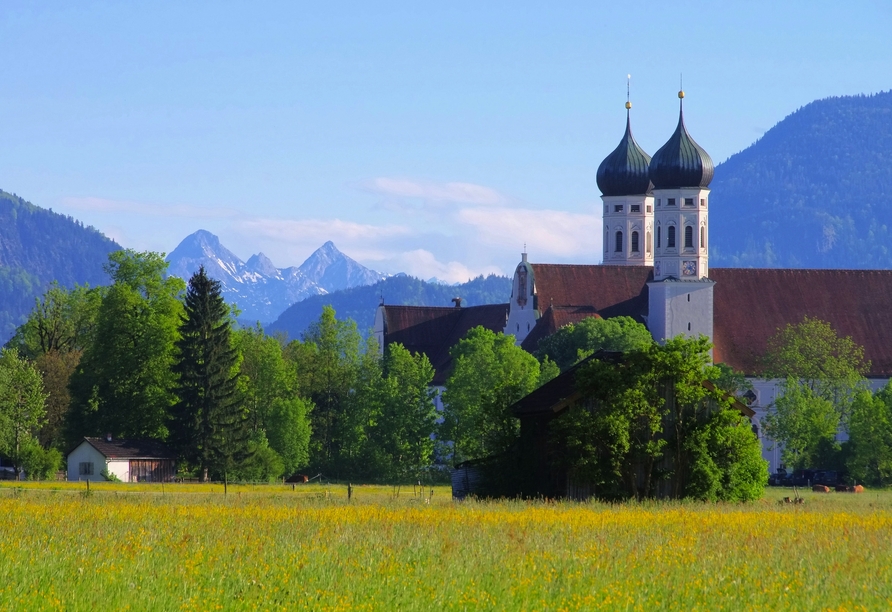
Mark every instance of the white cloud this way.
pixel 546 233
pixel 424 265
pixel 465 193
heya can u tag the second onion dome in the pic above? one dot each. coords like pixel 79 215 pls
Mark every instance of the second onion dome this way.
pixel 681 162
pixel 624 172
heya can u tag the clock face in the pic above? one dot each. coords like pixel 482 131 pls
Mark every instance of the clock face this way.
pixel 689 268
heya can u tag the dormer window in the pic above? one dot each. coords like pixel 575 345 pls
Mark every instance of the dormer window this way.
pixel 670 202
pixel 689 201
pixel 618 208
pixel 634 207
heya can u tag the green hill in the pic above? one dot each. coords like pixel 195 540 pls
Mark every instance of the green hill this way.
pixel 813 192
pixel 38 246
pixel 359 303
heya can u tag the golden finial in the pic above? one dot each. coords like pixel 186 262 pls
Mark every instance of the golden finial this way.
pixel 681 94
pixel 628 83
pixel 680 86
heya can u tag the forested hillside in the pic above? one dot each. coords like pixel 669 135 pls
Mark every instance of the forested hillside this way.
pixel 813 192
pixel 359 303
pixel 39 246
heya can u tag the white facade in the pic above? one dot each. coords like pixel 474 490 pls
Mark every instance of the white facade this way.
pixel 677 307
pixel 681 230
pixel 522 313
pixel 628 230
pixel 87 463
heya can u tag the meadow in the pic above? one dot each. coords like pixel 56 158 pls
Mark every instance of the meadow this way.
pixel 189 547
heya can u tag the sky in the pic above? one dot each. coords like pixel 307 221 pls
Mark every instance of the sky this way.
pixel 437 139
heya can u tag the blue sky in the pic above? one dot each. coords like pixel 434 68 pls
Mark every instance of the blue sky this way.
pixel 431 138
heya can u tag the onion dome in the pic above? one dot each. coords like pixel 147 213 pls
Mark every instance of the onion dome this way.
pixel 624 172
pixel 681 162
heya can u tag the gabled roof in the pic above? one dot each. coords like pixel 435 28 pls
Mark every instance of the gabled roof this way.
pixel 610 290
pixel 433 330
pixel 130 449
pixel 751 305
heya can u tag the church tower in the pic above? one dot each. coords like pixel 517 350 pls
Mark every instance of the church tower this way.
pixel 628 203
pixel 680 295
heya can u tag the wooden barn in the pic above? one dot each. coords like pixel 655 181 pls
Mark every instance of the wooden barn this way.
pixel 126 460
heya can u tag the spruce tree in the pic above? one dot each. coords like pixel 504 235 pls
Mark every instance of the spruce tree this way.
pixel 209 427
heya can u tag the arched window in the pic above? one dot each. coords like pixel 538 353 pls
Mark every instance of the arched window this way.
pixel 647 242
pixel 659 233
pixel 634 242
pixel 702 237
pixel 619 242
pixel 688 237
pixel 670 237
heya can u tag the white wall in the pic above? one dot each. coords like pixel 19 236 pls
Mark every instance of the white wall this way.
pixel 120 468
pixel 85 453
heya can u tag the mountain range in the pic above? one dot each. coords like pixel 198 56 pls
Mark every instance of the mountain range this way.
pixel 260 289
pixel 813 192
pixel 37 247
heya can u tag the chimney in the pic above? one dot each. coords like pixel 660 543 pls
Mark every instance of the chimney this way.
pixel 108 437
pixel 457 302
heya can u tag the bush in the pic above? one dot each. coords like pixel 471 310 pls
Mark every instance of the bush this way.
pixel 726 460
pixel 40 463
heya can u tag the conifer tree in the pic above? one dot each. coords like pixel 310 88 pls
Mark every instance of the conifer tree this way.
pixel 209 427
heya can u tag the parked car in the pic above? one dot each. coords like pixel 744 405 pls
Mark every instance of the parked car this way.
pixel 801 478
pixel 830 478
pixel 777 479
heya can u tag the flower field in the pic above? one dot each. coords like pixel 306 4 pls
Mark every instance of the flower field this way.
pixel 191 548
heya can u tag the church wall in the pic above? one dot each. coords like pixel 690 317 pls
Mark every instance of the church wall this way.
pixel 680 308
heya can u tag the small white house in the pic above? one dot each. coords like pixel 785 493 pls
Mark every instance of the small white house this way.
pixel 106 458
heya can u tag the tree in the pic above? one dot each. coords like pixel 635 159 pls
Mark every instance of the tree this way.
pixel 647 410
pixel 61 324
pixel 573 342
pixel 489 374
pixel 22 410
pixel 821 375
pixel 124 382
pixel 328 363
pixel 401 439
pixel 209 427
pixel 870 437
pixel 268 390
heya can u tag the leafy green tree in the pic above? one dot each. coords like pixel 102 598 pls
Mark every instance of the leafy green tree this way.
pixel 650 407
pixel 870 437
pixel 730 380
pixel 124 382
pixel 726 460
pixel 489 374
pixel 821 374
pixel 278 416
pixel 401 439
pixel 209 428
pixel 576 341
pixel 328 362
pixel 22 406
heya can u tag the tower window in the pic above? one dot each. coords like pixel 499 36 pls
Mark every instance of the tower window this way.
pixel 658 236
pixel 670 237
pixel 689 326
pixel 606 236
pixel 702 237
pixel 619 242
pixel 689 237
pixel 618 208
pixel 689 201
pixel 650 208
pixel 634 242
pixel 703 202
pixel 670 202
pixel 634 207
pixel 647 242
pixel 659 201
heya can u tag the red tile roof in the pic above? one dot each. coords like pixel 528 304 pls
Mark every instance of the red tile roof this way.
pixel 433 330
pixel 752 304
pixel 610 290
pixel 120 448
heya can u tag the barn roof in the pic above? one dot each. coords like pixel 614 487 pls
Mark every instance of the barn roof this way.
pixel 433 330
pixel 751 305
pixel 131 449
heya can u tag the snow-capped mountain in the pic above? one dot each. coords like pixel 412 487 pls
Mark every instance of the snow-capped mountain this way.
pixel 260 289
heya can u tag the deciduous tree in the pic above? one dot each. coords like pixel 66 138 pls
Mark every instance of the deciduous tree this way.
pixel 22 406
pixel 573 342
